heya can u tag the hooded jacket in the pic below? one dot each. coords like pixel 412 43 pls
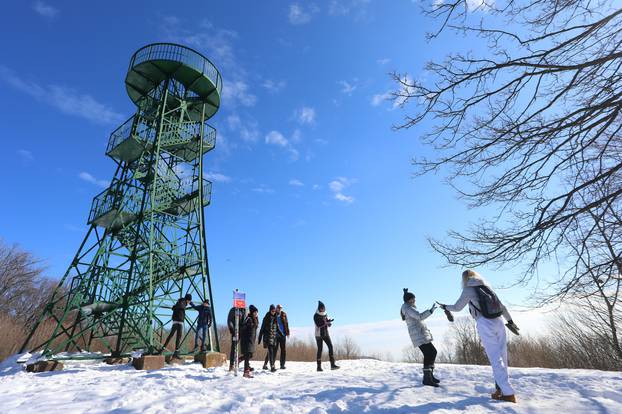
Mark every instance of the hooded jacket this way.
pixel 179 310
pixel 469 296
pixel 269 328
pixel 205 314
pixel 248 332
pixel 417 329
pixel 321 324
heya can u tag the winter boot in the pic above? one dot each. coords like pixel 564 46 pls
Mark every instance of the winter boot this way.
pixel 497 394
pixel 433 377
pixel 272 368
pixel 247 374
pixel 265 367
pixel 428 379
pixel 231 368
pixel 332 364
pixel 508 398
pixel 319 365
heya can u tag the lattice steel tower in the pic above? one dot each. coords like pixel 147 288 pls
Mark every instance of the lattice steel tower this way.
pixel 145 247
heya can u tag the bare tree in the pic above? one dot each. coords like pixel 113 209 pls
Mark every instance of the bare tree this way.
pixel 23 288
pixel 348 349
pixel 529 124
pixel 468 348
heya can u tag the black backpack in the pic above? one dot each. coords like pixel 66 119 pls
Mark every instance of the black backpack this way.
pixel 489 304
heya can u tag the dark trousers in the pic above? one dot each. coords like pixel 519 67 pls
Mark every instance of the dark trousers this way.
pixel 270 355
pixel 247 358
pixel 179 329
pixel 201 334
pixel 280 343
pixel 320 343
pixel 429 354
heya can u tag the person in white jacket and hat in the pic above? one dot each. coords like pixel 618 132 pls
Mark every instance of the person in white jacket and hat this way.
pixel 488 318
pixel 420 335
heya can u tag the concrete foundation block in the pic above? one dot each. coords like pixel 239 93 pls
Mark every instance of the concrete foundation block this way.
pixel 149 362
pixel 44 366
pixel 210 359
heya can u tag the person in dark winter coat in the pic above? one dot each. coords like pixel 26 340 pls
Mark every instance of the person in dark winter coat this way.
pixel 231 325
pixel 322 323
pixel 268 334
pixel 204 322
pixel 420 335
pixel 247 338
pixel 179 315
pixel 281 336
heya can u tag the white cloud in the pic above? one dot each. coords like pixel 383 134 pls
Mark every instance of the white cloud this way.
pixel 25 155
pixel 247 130
pixel 216 177
pixel 338 185
pixel 263 189
pixel 298 14
pixel 305 115
pixel 44 9
pixel 279 140
pixel 316 187
pixel 380 98
pixel 347 87
pixel 66 100
pixel 276 138
pixel 90 179
pixel 383 61
pixel 296 136
pixel 273 86
pixel 235 92
pixel 355 8
pixel 296 183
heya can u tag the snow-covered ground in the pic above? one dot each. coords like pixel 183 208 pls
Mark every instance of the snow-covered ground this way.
pixel 364 386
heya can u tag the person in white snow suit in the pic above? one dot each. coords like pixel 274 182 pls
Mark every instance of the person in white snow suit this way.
pixel 487 311
pixel 322 323
pixel 420 335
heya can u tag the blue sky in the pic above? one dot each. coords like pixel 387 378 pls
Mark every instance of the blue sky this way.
pixel 313 193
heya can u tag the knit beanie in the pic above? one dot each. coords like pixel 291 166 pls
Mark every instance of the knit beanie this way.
pixel 252 309
pixel 272 307
pixel 408 295
pixel 320 305
pixel 188 296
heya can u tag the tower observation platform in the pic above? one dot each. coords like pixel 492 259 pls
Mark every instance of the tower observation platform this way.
pixel 145 245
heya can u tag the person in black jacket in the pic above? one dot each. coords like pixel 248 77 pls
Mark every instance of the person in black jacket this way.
pixel 281 336
pixel 204 322
pixel 268 333
pixel 231 325
pixel 179 315
pixel 322 323
pixel 247 338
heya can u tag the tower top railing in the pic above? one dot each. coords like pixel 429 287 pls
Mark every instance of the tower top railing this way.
pixel 178 53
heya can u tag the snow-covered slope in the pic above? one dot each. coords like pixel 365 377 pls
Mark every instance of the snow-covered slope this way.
pixel 359 387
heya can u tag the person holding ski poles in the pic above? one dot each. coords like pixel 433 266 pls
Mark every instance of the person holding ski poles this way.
pixel 322 323
pixel 487 310
pixel 420 335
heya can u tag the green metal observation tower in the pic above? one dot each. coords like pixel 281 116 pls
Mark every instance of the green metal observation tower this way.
pixel 145 247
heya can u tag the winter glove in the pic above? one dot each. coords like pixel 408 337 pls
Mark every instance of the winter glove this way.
pixel 448 314
pixel 432 308
pixel 512 327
